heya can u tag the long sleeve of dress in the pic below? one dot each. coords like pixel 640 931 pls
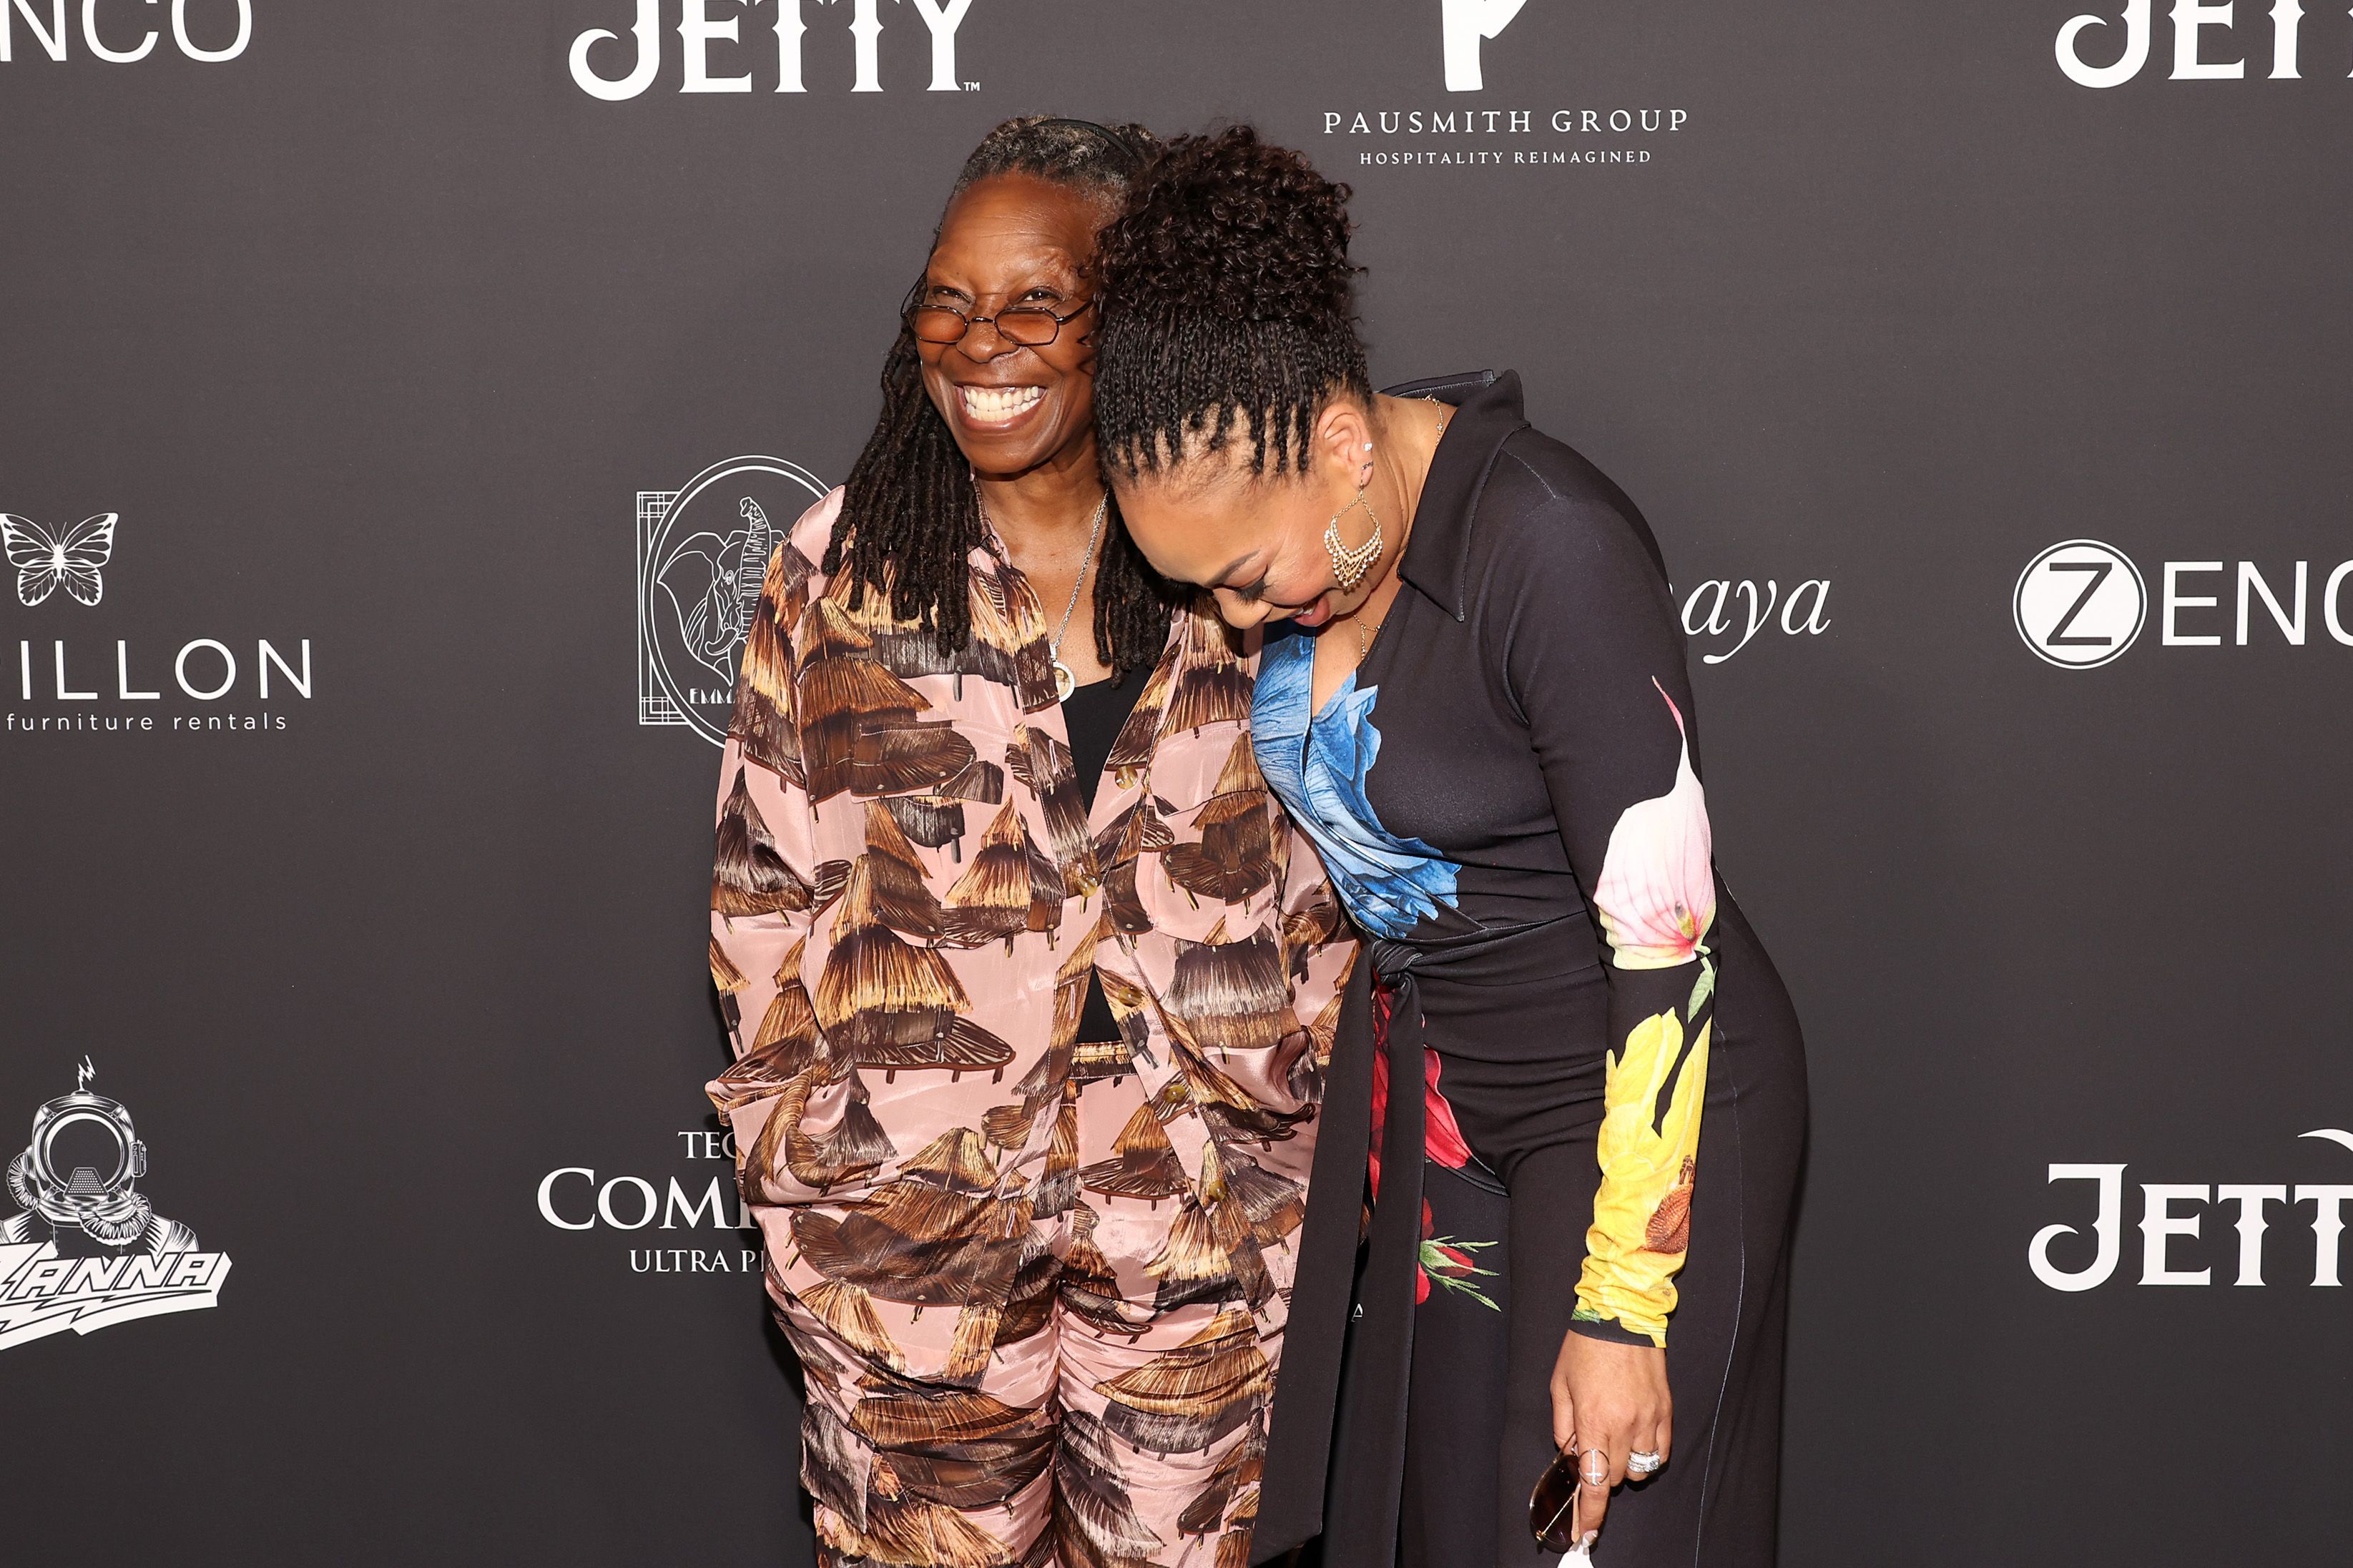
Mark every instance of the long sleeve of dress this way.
pixel 1595 659
pixel 764 879
pixel 1318 951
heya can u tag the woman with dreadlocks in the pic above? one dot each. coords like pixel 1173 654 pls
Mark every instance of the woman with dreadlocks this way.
pixel 1480 713
pixel 1030 984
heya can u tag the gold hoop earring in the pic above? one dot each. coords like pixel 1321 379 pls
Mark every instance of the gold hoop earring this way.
pixel 1350 564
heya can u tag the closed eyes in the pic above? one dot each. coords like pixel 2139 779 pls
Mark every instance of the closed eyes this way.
pixel 1225 574
pixel 941 294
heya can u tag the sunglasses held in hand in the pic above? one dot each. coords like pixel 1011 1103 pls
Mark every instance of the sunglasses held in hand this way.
pixel 1552 1505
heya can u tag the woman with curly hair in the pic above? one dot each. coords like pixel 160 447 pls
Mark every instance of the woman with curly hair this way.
pixel 1478 710
pixel 1031 986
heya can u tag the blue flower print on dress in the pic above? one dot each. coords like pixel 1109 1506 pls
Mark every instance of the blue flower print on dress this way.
pixel 1388 884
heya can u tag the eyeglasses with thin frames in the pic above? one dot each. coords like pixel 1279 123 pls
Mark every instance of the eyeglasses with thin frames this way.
pixel 1031 326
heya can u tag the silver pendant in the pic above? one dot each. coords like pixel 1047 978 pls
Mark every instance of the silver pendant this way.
pixel 1064 681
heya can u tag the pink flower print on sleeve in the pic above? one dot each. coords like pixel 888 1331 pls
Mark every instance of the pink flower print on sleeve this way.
pixel 1656 894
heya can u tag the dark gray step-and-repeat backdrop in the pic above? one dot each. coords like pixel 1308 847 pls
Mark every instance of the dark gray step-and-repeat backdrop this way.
pixel 385 384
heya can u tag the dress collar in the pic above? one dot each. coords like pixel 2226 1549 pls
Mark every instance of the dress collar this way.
pixel 1488 410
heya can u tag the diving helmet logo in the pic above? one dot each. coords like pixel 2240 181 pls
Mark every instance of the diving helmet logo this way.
pixel 76 1181
pixel 89 1249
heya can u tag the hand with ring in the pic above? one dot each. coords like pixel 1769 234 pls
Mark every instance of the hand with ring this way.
pixel 1612 1410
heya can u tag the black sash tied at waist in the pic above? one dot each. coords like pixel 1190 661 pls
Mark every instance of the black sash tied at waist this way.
pixel 1349 1354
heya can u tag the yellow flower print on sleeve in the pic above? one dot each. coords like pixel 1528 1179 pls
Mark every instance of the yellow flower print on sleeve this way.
pixel 1641 1215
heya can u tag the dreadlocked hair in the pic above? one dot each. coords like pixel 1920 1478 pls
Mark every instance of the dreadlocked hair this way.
pixel 910 515
pixel 1228 300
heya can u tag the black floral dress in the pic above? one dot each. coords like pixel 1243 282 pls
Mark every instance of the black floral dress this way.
pixel 1507 797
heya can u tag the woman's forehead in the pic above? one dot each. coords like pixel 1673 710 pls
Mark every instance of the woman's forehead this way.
pixel 1013 214
pixel 1222 506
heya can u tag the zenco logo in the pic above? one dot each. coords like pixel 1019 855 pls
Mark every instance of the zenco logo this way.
pixel 70 559
pixel 575 1198
pixel 121 21
pixel 68 565
pixel 90 1251
pixel 701 553
pixel 2080 604
pixel 2171 1218
pixel 699 29
pixel 2196 56
pixel 1722 608
pixel 1467 24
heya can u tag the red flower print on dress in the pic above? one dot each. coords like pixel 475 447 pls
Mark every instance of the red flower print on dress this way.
pixel 1444 1138
pixel 1448 1259
pixel 1383 999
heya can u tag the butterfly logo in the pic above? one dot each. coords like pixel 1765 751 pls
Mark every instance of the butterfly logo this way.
pixel 71 560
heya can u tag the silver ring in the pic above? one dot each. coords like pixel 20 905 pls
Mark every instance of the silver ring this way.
pixel 1587 1476
pixel 1640 1463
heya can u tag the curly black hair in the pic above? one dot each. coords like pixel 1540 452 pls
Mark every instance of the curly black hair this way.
pixel 1228 299
pixel 910 517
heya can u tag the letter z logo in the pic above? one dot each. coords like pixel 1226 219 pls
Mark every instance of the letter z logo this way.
pixel 2080 605
pixel 1467 22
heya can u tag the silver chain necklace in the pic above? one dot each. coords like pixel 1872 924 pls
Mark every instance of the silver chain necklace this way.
pixel 1065 682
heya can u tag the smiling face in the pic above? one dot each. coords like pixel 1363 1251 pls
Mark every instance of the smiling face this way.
pixel 1256 541
pixel 1009 240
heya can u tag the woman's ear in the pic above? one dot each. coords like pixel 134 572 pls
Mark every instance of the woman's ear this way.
pixel 1343 440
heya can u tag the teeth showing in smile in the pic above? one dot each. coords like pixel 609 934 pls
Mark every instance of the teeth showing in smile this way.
pixel 995 405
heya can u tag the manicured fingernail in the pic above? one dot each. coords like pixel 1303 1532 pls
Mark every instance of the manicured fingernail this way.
pixel 1585 1542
